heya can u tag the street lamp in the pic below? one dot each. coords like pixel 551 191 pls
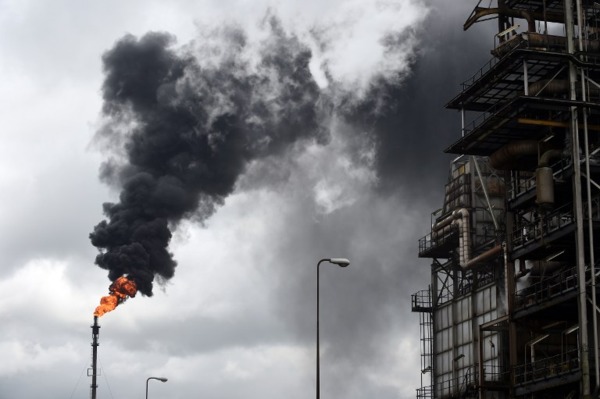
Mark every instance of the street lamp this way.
pixel 341 262
pixel 162 379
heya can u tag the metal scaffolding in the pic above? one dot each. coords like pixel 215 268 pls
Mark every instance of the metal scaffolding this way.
pixel 513 303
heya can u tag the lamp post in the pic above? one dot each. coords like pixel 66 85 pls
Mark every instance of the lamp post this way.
pixel 162 379
pixel 342 262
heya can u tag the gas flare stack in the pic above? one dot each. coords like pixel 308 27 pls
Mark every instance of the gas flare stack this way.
pixel 95 333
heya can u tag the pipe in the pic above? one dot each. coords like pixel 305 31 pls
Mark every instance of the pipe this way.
pixel 544 179
pixel 441 232
pixel 589 198
pixel 506 157
pixel 95 334
pixel 538 40
pixel 577 203
pixel 542 267
pixel 445 222
pixel 590 227
pixel 480 12
pixel 548 156
pixel 554 86
pixel 490 253
pixel 549 86
pixel 525 78
pixel 461 219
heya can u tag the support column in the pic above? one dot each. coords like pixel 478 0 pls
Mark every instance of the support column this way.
pixel 578 209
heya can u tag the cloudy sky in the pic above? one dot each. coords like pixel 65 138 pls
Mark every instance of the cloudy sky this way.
pixel 339 109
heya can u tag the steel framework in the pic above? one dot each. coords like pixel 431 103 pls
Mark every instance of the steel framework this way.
pixel 512 303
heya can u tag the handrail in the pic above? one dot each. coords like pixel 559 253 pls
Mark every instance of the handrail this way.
pixel 524 233
pixel 523 48
pixel 545 368
pixel 546 289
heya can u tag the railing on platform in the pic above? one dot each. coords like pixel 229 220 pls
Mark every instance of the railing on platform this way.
pixel 425 392
pixel 495 375
pixel 549 367
pixel 432 241
pixel 542 225
pixel 546 289
pixel 421 301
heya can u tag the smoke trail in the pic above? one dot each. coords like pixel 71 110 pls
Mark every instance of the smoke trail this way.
pixel 189 127
pixel 406 117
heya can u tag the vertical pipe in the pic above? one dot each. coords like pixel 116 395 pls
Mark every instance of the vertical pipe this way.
pixel 476 334
pixel 462 122
pixel 577 203
pixel 435 329
pixel 591 234
pixel 509 270
pixel 545 24
pixel 480 360
pixel 525 78
pixel 584 98
pixel 95 333
pixel 454 383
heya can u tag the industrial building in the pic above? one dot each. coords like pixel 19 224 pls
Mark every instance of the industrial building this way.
pixel 511 310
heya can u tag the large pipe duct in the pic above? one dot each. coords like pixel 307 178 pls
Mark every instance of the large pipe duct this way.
pixel 556 86
pixel 464 241
pixel 544 186
pixel 506 157
pixel 490 253
pixel 443 227
pixel 503 10
pixel 544 179
pixel 540 40
pixel 509 155
pixel 458 218
pixel 480 12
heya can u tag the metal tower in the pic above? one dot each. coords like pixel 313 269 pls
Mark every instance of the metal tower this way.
pixel 513 293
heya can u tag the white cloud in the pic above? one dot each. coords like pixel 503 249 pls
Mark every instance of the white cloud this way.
pixel 37 286
pixel 351 41
pixel 338 177
pixel 31 357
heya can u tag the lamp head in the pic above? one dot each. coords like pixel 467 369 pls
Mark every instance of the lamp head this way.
pixel 342 262
pixel 163 379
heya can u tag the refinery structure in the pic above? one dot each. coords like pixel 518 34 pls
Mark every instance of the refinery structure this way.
pixel 512 310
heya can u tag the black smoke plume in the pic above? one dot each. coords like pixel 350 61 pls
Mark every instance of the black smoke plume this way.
pixel 183 128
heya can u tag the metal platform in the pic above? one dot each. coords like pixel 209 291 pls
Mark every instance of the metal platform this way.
pixel 519 119
pixel 500 80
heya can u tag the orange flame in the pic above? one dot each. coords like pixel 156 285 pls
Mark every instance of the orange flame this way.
pixel 120 290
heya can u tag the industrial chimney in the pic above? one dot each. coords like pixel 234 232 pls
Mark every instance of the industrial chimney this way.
pixel 95 333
